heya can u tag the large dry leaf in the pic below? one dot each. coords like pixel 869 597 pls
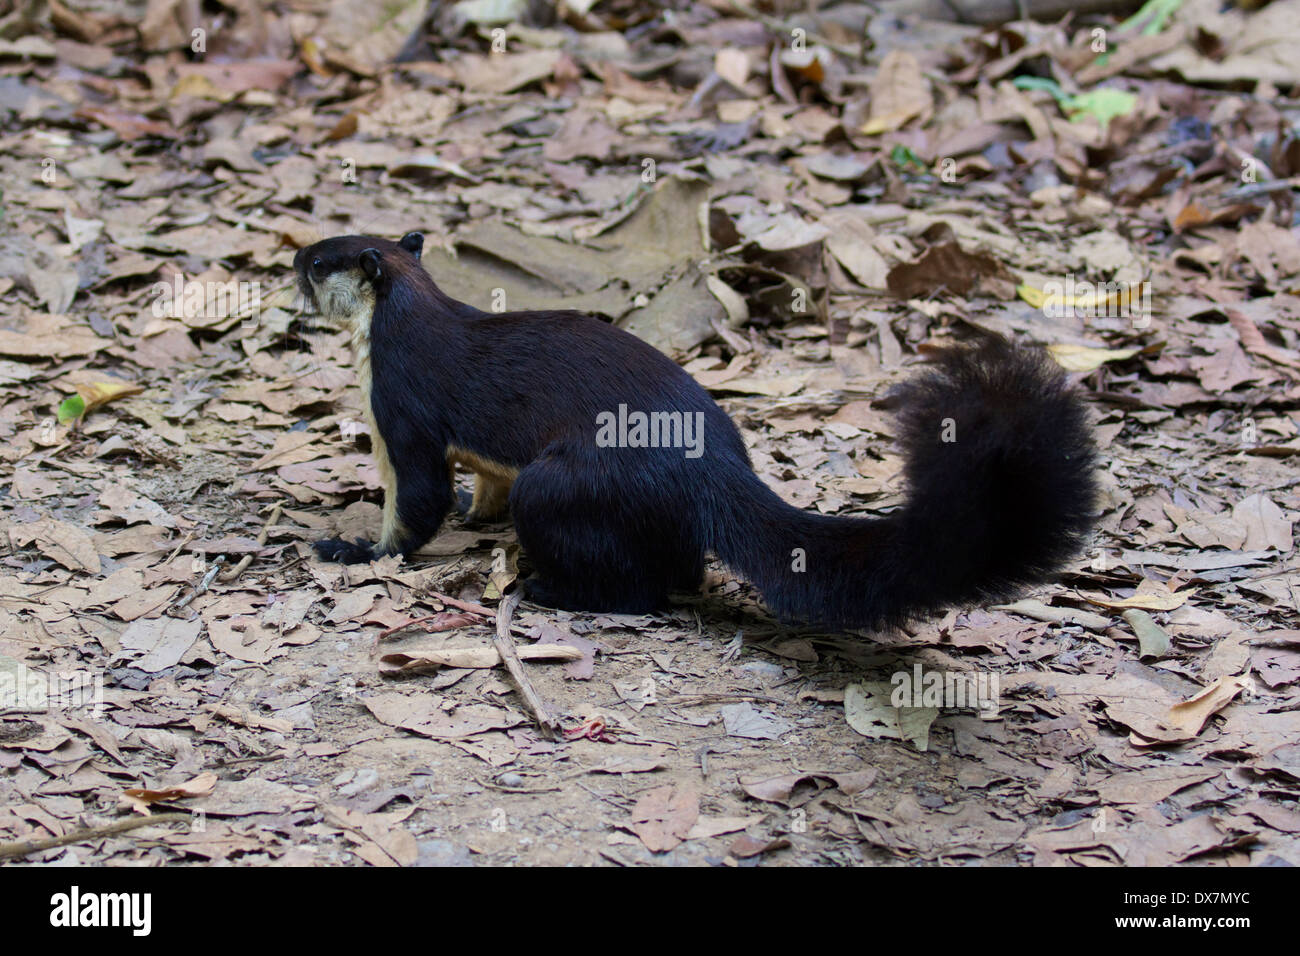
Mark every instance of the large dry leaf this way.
pixel 1082 358
pixel 899 92
pixel 1187 718
pixel 156 644
pixel 1266 526
pixel 665 816
pixel 60 541
pixel 424 716
pixel 868 710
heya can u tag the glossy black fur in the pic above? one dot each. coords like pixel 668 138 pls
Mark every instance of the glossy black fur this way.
pixel 615 529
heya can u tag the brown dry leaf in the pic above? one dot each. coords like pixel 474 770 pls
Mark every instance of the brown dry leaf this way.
pixel 899 92
pixel 1284 760
pixel 1254 340
pixel 779 789
pixel 944 267
pixel 783 386
pixel 869 710
pixel 851 242
pixel 134 508
pixel 246 718
pixel 1249 42
pixel 746 846
pixel 424 716
pixel 354 604
pixel 60 541
pixel 42 343
pixel 503 73
pixel 1150 596
pixel 732 65
pixel 377 838
pixel 1265 523
pixel 1272 250
pixel 1189 716
pixel 1212 530
pixel 1276 666
pixel 708 827
pixel 357 39
pixel 128 125
pixel 1033 608
pixel 155 644
pixel 289 448
pixel 243 637
pixel 631 760
pixel 663 817
pixel 1225 368
pixel 139 799
pixel 907 828
pixel 1151 786
pixel 584 133
pixel 224 81
pixel 505 569
pixel 1083 358
pixel 249 796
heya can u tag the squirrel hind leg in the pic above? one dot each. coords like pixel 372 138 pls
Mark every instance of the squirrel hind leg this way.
pixel 593 548
pixel 577 593
pixel 490 503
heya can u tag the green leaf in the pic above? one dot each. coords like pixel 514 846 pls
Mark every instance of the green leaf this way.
pixel 903 157
pixel 1105 103
pixel 72 407
pixel 1040 83
pixel 1158 10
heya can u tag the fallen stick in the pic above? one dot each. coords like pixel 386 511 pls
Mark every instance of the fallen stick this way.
pixel 21 848
pixel 246 560
pixel 430 624
pixel 413 659
pixel 202 586
pixel 505 646
pixel 465 605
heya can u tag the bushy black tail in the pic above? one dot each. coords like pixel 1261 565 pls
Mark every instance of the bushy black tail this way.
pixel 1001 492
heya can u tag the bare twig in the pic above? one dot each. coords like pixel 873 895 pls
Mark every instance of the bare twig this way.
pixel 465 605
pixel 1252 190
pixel 505 646
pixel 186 540
pixel 247 559
pixel 201 586
pixel 21 848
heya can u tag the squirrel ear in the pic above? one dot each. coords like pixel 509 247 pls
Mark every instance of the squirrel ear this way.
pixel 413 242
pixel 372 264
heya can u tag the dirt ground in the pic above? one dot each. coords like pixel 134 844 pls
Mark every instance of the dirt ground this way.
pixel 784 227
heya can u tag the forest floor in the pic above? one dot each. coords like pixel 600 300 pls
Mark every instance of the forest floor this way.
pixel 791 206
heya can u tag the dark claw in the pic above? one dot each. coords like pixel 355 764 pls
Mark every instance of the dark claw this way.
pixel 336 549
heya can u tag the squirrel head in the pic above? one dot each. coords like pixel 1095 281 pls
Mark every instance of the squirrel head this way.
pixel 344 276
